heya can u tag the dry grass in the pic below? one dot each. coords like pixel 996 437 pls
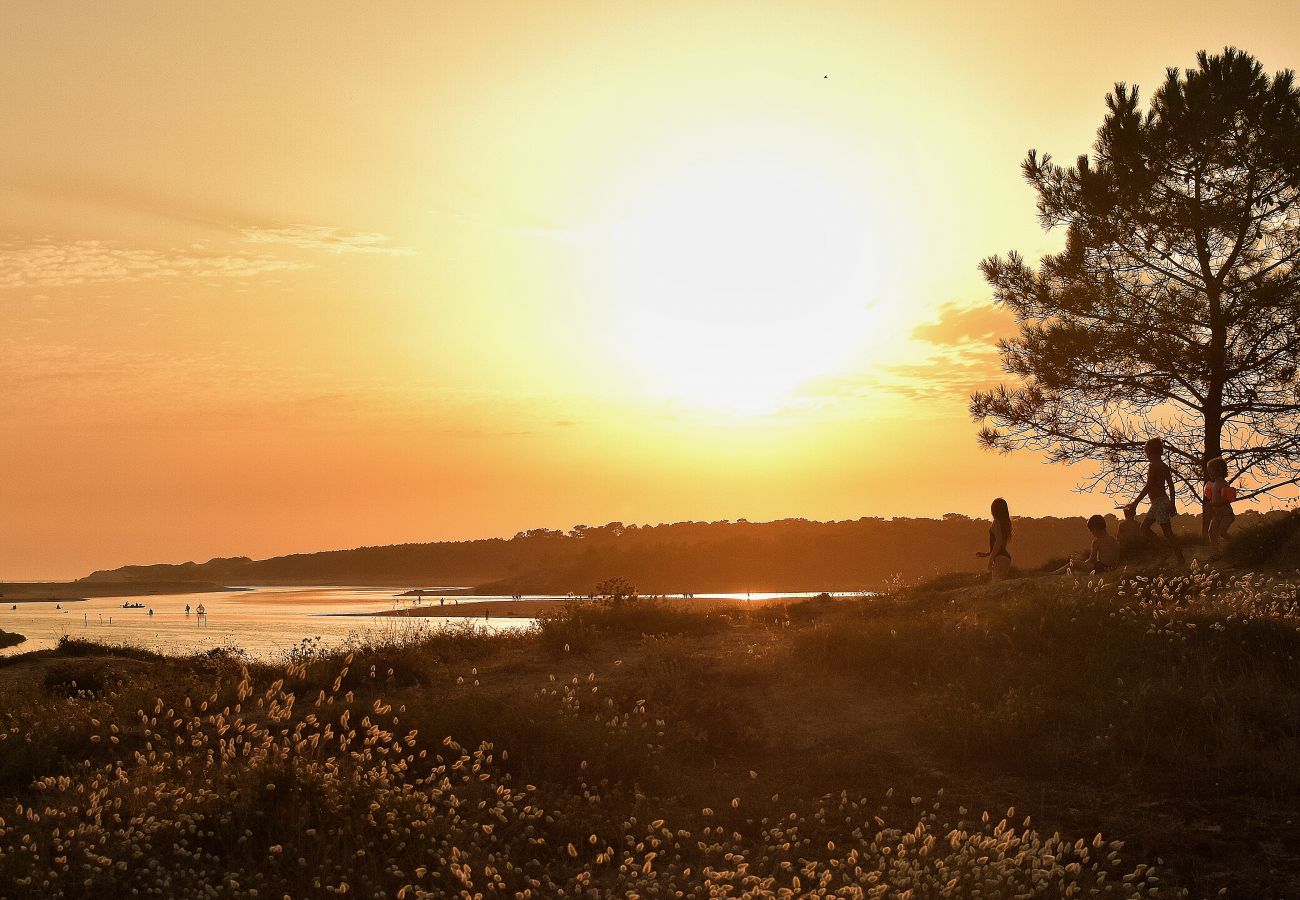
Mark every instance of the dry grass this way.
pixel 1192 678
pixel 665 752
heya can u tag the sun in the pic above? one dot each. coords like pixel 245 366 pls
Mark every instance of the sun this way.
pixel 739 279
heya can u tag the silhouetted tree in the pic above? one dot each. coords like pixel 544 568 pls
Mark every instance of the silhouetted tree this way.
pixel 1172 311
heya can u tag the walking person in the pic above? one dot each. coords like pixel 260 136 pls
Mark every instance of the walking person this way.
pixel 1162 509
pixel 999 536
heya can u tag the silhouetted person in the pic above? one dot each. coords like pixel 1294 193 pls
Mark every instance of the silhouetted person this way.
pixel 1162 509
pixel 1129 532
pixel 999 536
pixel 1103 554
pixel 1218 501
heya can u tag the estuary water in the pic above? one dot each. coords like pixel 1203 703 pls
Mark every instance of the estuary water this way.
pixel 264 622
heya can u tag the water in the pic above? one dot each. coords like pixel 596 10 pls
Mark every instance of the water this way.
pixel 264 622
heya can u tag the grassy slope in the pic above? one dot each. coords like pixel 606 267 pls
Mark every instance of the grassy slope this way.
pixel 1165 713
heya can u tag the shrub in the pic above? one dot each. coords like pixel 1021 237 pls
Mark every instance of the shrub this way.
pixel 1273 541
pixel 71 646
pixel 75 680
pixel 577 626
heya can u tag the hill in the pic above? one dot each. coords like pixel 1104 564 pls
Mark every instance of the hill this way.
pixel 786 555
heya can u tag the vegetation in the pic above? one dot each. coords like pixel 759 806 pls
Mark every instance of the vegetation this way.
pixel 1172 310
pixel 832 747
pixel 10 639
pixel 1272 540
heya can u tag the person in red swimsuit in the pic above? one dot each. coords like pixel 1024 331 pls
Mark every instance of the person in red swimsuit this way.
pixel 1218 501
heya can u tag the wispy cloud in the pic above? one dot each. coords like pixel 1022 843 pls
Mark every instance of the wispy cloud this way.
pixel 955 354
pixel 48 263
pixel 959 325
pixel 325 238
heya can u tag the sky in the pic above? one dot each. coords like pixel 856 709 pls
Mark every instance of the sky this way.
pixel 298 276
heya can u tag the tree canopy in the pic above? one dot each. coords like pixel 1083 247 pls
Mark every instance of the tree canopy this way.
pixel 1172 311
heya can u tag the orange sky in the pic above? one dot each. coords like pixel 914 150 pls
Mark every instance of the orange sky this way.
pixel 284 277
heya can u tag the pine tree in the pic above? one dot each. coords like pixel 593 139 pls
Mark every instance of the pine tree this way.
pixel 1172 311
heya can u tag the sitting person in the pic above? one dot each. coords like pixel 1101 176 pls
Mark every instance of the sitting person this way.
pixel 1102 556
pixel 1218 501
pixel 999 536
pixel 1130 530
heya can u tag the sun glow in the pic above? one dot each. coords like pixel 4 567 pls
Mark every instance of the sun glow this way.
pixel 738 281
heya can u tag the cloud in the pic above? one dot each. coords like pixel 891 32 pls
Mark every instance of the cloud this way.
pixel 946 376
pixel 325 238
pixel 959 325
pixel 956 354
pixel 48 263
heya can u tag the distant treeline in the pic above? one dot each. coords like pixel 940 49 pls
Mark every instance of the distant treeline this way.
pixel 791 554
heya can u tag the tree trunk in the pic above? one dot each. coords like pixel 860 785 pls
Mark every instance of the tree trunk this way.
pixel 1214 389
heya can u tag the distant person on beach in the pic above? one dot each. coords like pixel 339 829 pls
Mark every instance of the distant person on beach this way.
pixel 1162 509
pixel 999 536
pixel 1218 501
pixel 1102 556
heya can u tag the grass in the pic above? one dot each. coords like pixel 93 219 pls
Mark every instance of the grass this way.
pixel 1190 680
pixel 1151 728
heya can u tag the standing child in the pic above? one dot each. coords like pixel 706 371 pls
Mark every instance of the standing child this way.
pixel 1162 510
pixel 1218 501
